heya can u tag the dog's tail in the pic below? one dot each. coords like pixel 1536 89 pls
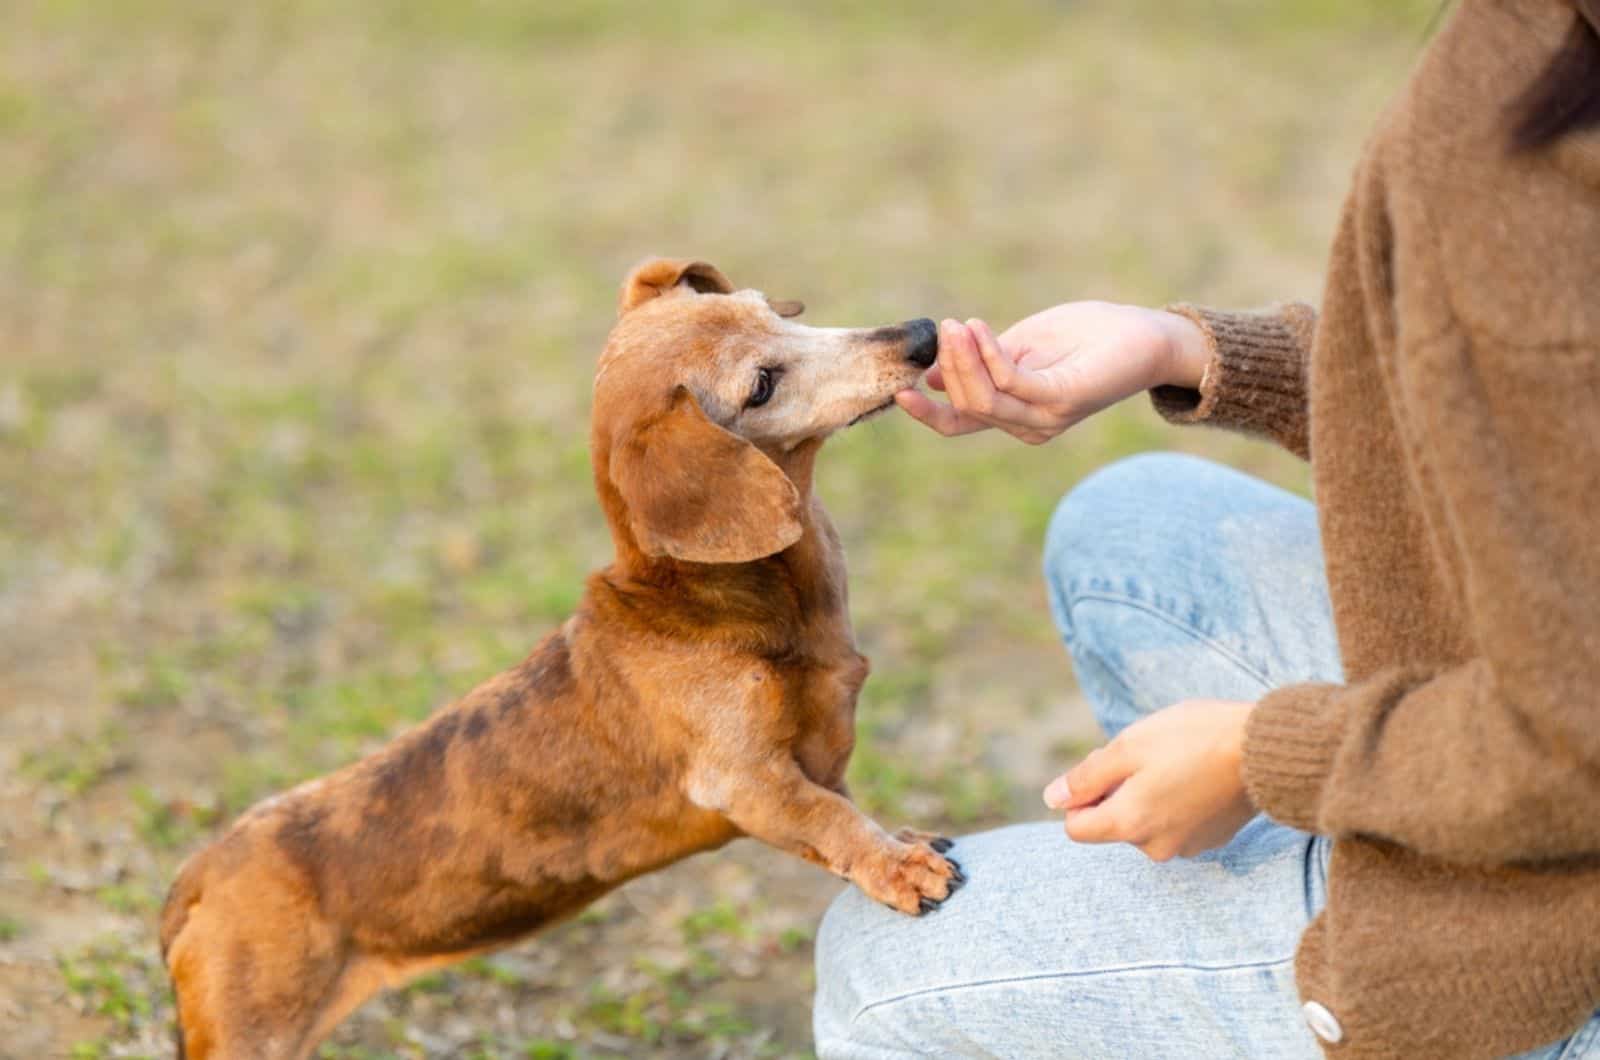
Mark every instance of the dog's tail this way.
pixel 181 899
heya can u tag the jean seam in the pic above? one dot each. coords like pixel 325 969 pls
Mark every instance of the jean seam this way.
pixel 1221 649
pixel 1061 598
pixel 1113 676
pixel 1130 969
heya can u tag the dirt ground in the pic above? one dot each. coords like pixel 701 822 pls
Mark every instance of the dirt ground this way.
pixel 298 308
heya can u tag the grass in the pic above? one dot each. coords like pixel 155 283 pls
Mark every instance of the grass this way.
pixel 298 307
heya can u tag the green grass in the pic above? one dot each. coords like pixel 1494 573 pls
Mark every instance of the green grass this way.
pixel 298 308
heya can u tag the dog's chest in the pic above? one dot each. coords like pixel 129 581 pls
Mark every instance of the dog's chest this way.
pixel 823 709
pixel 831 670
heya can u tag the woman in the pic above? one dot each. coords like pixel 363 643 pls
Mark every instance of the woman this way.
pixel 1410 699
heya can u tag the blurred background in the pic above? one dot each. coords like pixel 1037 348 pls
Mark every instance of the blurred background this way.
pixel 299 303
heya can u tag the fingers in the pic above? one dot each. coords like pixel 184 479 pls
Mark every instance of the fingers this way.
pixel 967 379
pixel 1096 824
pixel 1009 375
pixel 950 421
pixel 953 339
pixel 935 414
pixel 1087 792
pixel 1118 816
pixel 1098 775
pixel 1119 820
pixel 1058 793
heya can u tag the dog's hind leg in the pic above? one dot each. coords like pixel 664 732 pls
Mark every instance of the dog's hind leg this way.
pixel 363 976
pixel 243 996
pixel 254 966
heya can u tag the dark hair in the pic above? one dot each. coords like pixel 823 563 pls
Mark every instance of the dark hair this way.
pixel 1565 97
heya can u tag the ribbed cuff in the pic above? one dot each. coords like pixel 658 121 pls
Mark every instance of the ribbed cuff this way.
pixel 1290 741
pixel 1256 381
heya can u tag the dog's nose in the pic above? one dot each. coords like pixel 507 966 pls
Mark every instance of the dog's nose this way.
pixel 922 347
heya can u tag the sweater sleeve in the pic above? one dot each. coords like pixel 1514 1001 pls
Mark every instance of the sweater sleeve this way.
pixel 1256 380
pixel 1496 759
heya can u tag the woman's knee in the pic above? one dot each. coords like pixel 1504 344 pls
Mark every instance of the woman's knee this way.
pixel 833 934
pixel 838 999
pixel 1101 533
pixel 1132 539
pixel 871 962
pixel 1090 530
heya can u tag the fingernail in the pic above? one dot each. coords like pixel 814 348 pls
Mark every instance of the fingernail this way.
pixel 1057 794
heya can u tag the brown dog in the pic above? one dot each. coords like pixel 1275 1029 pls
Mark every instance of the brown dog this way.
pixel 704 689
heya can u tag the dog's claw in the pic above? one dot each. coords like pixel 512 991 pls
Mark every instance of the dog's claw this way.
pixel 918 867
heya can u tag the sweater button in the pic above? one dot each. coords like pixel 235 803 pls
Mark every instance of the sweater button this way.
pixel 1322 1022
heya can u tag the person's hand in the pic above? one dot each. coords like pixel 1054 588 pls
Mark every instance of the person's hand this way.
pixel 1050 370
pixel 1171 783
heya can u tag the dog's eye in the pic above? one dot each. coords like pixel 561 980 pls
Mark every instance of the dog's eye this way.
pixel 766 382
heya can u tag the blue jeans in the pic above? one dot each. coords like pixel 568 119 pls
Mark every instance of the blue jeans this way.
pixel 1170 578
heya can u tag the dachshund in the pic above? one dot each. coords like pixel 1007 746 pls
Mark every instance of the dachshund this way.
pixel 703 690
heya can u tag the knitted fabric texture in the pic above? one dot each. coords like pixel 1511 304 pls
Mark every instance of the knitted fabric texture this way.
pixel 1448 395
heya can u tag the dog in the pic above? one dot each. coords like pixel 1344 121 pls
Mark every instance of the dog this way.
pixel 704 689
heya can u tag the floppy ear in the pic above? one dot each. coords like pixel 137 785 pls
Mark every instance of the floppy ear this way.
pixel 655 277
pixel 697 492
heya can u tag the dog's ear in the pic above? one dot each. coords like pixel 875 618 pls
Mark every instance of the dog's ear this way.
pixel 786 307
pixel 697 492
pixel 658 276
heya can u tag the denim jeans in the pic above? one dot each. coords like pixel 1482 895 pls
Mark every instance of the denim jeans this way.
pixel 1170 578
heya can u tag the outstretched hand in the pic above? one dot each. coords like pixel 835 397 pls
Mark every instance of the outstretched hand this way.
pixel 1048 371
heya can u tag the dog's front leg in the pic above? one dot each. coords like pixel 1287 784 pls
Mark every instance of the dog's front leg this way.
pixel 779 805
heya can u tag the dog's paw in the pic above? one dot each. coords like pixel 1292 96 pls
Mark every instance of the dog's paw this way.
pixel 939 843
pixel 912 876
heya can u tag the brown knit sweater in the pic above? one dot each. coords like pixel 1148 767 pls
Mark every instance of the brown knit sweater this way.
pixel 1449 399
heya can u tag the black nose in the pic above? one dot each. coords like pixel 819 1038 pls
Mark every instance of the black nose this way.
pixel 922 346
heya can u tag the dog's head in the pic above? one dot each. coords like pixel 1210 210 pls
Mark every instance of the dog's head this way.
pixel 709 402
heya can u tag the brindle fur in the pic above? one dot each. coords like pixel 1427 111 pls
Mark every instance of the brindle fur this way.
pixel 704 689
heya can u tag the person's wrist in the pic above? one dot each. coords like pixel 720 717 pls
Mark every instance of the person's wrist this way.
pixel 1236 740
pixel 1188 351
